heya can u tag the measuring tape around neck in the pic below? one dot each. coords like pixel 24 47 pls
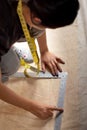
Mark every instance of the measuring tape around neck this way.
pixel 31 43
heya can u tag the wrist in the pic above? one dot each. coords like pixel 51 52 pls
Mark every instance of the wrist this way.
pixel 44 51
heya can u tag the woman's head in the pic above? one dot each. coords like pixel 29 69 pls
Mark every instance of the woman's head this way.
pixel 54 13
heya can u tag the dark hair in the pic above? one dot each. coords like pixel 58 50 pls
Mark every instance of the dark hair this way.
pixel 55 13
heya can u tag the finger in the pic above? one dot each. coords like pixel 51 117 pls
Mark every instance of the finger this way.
pixel 56 109
pixel 55 67
pixel 60 60
pixel 43 67
pixel 51 68
pixel 59 68
pixel 48 114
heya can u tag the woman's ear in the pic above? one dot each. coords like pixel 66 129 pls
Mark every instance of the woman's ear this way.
pixel 36 20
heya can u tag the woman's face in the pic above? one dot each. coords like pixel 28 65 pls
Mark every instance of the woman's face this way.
pixel 31 19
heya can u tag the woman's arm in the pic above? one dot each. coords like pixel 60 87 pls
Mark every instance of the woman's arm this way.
pixel 9 96
pixel 48 60
pixel 42 42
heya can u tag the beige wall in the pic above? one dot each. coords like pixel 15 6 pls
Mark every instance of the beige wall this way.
pixel 82 63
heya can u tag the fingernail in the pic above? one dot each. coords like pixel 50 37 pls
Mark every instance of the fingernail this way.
pixel 60 70
pixel 57 74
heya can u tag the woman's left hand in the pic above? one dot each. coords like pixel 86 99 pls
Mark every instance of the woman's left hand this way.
pixel 51 62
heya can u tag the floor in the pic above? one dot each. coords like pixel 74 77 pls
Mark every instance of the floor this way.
pixel 63 42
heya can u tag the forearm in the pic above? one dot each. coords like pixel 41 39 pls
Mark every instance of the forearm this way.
pixel 11 97
pixel 42 42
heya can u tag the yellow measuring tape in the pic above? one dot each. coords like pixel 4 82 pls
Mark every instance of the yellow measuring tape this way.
pixel 31 43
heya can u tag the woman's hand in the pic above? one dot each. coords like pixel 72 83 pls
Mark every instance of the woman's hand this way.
pixel 43 111
pixel 51 62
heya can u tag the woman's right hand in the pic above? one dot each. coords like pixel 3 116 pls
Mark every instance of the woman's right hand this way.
pixel 43 111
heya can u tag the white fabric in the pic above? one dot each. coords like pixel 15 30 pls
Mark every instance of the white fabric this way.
pixel 9 64
pixel 22 49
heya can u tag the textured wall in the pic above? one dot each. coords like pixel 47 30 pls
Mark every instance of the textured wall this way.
pixel 82 63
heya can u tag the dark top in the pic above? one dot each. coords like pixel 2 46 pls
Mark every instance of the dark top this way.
pixel 10 27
